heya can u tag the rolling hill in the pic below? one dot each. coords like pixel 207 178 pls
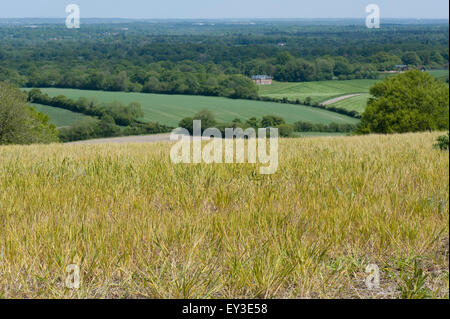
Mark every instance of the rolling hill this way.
pixel 170 109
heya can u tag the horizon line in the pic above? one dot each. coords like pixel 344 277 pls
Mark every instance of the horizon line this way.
pixel 247 18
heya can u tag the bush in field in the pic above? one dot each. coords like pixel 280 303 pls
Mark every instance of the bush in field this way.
pixel 285 130
pixel 272 121
pixel 442 142
pixel 410 102
pixel 253 122
pixel 21 124
pixel 207 118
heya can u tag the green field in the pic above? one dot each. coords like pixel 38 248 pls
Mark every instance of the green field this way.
pixel 324 90
pixel 59 117
pixel 356 103
pixel 170 109
pixel 318 91
pixel 439 74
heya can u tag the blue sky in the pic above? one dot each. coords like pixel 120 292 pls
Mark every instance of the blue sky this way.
pixel 216 9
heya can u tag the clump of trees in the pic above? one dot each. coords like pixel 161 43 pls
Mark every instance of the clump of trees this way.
pixel 209 121
pixel 90 127
pixel 267 121
pixel 20 123
pixel 329 128
pixel 409 102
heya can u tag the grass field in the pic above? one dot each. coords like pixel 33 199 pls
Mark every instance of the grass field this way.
pixel 356 103
pixel 139 226
pixel 439 74
pixel 170 109
pixel 59 117
pixel 326 90
pixel 319 91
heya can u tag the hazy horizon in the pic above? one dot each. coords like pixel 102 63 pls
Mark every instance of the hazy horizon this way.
pixel 230 9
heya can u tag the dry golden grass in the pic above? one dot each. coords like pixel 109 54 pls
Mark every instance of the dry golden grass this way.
pixel 141 227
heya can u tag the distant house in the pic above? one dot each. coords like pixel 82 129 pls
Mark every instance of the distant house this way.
pixel 401 67
pixel 262 79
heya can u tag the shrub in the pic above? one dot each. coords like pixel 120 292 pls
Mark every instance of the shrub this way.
pixel 285 130
pixel 442 142
pixel 271 121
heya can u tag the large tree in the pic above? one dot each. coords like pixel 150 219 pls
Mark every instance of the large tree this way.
pixel 410 102
pixel 20 123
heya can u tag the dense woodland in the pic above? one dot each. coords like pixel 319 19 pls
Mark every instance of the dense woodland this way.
pixel 212 59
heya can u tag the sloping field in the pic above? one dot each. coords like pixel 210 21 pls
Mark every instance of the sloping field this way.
pixel 322 91
pixel 59 117
pixel 439 74
pixel 139 226
pixel 356 103
pixel 318 91
pixel 170 109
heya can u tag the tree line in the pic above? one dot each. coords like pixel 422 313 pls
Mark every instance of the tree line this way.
pixel 105 119
pixel 182 59
pixel 268 121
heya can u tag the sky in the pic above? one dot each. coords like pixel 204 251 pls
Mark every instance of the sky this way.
pixel 218 9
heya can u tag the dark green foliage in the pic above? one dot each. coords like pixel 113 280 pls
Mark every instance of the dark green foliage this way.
pixel 411 58
pixel 285 130
pixel 208 121
pixel 442 142
pixel 207 118
pixel 253 122
pixel 21 124
pixel 410 102
pixel 272 121
pixel 331 128
pixel 90 128
pixel 178 58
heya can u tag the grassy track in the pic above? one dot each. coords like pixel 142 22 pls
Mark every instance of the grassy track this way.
pixel 170 109
pixel 139 226
pixel 59 117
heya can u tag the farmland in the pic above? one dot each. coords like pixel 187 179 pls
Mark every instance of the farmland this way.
pixel 322 91
pixel 170 109
pixel 356 103
pixel 59 117
pixel 139 226
pixel 319 91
